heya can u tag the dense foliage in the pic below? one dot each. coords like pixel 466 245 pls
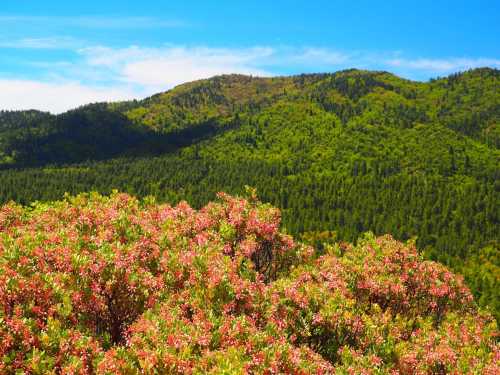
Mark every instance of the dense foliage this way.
pixel 339 153
pixel 114 285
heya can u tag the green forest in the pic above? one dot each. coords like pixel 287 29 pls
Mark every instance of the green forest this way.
pixel 340 154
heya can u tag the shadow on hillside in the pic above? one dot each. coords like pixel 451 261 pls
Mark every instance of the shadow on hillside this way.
pixel 96 133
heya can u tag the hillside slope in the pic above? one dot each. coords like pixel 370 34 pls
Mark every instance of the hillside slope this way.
pixel 467 103
pixel 339 153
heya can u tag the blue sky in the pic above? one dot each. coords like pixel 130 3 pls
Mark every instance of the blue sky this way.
pixel 56 55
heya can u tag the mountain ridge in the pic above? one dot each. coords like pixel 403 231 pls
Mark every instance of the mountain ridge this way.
pixel 226 98
pixel 340 154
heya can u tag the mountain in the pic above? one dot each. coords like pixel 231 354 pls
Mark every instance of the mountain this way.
pixel 340 154
pixel 466 103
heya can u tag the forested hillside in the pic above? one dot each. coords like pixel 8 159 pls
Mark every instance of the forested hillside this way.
pixel 340 154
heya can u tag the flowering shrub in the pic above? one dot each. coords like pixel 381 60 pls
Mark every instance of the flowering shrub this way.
pixel 106 285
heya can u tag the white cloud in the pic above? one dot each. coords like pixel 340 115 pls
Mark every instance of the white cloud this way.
pixel 42 43
pixel 124 73
pixel 56 97
pixel 93 22
pixel 120 74
pixel 321 56
pixel 166 67
pixel 443 65
pixel 101 73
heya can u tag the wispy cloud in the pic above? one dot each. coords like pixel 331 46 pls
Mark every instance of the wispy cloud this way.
pixel 164 67
pixel 161 68
pixel 42 43
pixel 323 56
pixel 103 73
pixel 56 97
pixel 93 22
pixel 442 65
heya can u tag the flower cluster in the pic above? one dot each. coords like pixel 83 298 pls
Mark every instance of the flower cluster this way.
pixel 113 285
